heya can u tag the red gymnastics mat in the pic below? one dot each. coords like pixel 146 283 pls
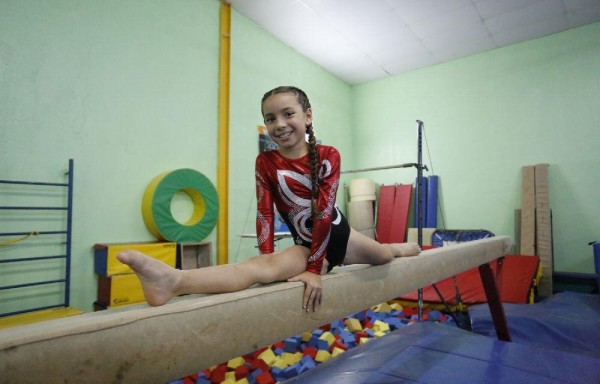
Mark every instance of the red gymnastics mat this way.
pixel 392 213
pixel 516 282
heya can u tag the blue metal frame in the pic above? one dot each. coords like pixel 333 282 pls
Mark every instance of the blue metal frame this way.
pixel 68 232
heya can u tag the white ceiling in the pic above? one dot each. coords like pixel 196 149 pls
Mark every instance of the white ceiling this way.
pixel 365 40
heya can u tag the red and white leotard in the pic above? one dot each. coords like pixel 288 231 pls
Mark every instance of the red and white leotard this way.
pixel 287 184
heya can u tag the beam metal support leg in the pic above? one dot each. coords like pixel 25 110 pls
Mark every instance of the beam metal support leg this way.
pixel 493 299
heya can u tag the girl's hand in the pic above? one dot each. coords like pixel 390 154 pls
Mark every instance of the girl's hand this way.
pixel 312 290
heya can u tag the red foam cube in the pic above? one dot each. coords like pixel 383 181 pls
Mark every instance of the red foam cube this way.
pixel 310 351
pixel 265 378
pixel 241 372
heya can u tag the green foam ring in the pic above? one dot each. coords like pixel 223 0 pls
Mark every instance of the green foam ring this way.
pixel 156 206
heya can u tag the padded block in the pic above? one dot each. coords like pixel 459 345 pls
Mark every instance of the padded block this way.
pixel 106 263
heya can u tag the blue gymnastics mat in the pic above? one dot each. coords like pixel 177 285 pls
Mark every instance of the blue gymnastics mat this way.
pixel 568 321
pixel 428 352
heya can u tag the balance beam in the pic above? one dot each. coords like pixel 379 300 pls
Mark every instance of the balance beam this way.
pixel 142 344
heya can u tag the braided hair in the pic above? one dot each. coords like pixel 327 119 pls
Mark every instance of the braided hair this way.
pixel 312 141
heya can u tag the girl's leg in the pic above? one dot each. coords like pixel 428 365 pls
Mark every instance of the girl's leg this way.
pixel 161 282
pixel 364 250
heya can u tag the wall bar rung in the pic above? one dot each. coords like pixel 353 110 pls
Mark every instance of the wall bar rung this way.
pixel 33 183
pixel 32 284
pixel 36 233
pixel 33 258
pixel 36 208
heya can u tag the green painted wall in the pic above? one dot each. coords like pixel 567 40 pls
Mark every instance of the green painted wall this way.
pixel 125 88
pixel 485 117
pixel 128 89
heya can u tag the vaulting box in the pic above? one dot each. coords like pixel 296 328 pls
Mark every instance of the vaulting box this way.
pixel 106 263
pixel 118 290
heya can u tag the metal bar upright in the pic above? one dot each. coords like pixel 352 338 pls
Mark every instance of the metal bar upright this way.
pixel 420 207
pixel 69 235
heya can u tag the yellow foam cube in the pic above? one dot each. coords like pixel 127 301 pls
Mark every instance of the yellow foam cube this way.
pixel 363 340
pixel 268 356
pixel 280 363
pixel 229 377
pixel 243 380
pixel 383 307
pixel 291 358
pixel 396 306
pixel 337 351
pixel 381 326
pixel 234 363
pixel 353 324
pixel 322 356
pixel 306 336
pixel 378 334
pixel 328 336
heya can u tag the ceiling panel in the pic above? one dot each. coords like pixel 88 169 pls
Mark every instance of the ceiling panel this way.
pixel 365 40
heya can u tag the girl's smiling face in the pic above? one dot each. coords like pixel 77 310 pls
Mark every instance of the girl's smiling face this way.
pixel 286 123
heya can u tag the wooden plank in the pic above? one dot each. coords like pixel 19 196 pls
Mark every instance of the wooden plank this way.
pixel 142 344
pixel 518 232
pixel 543 224
pixel 528 211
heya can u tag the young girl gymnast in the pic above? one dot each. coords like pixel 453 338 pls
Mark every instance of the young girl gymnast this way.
pixel 300 178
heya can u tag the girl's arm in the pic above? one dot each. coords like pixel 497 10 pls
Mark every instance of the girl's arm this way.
pixel 330 171
pixel 265 216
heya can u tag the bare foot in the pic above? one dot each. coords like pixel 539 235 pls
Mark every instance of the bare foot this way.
pixel 158 279
pixel 405 249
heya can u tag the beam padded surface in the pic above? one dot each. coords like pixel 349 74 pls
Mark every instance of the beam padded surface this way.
pixel 142 344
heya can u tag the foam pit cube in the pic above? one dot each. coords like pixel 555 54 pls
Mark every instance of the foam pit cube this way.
pixel 337 351
pixel 291 358
pixel 280 363
pixel 323 356
pixel 308 361
pixel 241 372
pixel 217 374
pixel 337 324
pixel 291 345
pixel 292 371
pixel 379 334
pixel 306 336
pixel 383 307
pixel 353 325
pixel 235 362
pixel 339 344
pixel 268 356
pixel 328 337
pixel 310 351
pixel 381 326
pixel 265 378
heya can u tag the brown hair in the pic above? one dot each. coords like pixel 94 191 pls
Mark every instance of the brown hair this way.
pixel 312 140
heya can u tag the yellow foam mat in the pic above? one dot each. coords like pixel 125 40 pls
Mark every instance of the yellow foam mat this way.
pixel 34 317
